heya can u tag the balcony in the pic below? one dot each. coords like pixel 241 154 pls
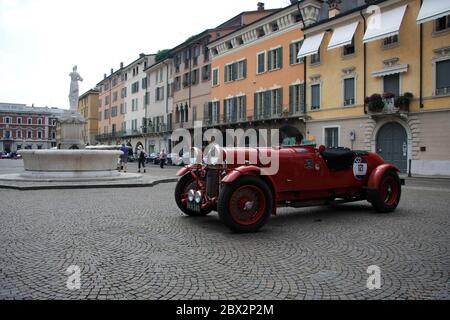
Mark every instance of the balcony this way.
pixel 387 104
pixel 442 92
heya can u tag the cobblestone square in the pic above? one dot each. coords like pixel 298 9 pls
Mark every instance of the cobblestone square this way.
pixel 135 244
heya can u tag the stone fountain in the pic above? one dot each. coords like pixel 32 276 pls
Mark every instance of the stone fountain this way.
pixel 71 162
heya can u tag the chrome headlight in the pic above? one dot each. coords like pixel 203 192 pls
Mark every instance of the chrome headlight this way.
pixel 191 195
pixel 198 197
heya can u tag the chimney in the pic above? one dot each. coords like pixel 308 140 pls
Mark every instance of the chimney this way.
pixel 334 8
pixel 141 55
pixel 112 70
pixel 121 65
pixel 310 10
pixel 104 76
pixel 261 6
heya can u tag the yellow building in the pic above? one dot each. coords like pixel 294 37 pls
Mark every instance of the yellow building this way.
pixel 388 51
pixel 88 107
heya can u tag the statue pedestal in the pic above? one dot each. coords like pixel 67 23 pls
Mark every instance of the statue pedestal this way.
pixel 71 131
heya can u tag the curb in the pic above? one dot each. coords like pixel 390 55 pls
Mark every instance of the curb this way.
pixel 93 186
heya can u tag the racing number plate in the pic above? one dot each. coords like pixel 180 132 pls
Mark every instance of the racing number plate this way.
pixel 193 206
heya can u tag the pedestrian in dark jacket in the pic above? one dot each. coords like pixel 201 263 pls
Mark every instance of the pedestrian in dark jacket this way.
pixel 141 159
pixel 124 158
pixel 162 159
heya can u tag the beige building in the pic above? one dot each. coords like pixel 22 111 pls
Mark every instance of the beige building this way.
pixel 88 105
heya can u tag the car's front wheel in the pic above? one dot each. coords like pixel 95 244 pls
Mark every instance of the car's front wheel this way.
pixel 186 183
pixel 245 205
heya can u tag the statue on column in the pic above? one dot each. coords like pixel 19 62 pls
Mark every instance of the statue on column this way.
pixel 74 89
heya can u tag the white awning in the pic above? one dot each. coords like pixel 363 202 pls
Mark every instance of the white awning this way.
pixel 343 36
pixel 311 45
pixel 433 9
pixel 386 24
pixel 400 68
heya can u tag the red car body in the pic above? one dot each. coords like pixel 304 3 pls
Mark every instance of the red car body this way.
pixel 245 193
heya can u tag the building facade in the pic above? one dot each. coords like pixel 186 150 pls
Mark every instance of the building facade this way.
pixel 88 107
pixel 257 81
pixel 111 107
pixel 136 99
pixel 159 110
pixel 192 70
pixel 360 68
pixel 24 127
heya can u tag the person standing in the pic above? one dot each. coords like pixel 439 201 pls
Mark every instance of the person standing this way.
pixel 141 159
pixel 162 159
pixel 124 158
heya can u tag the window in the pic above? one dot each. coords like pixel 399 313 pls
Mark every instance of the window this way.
pixel 275 59
pixel 39 134
pixel 123 127
pixel 159 95
pixel 19 120
pixel 194 114
pixel 315 58
pixel 274 27
pixel 261 57
pixel 195 77
pixel 177 84
pixel 114 112
pixel 113 129
pixel 268 104
pixel 215 77
pixel 53 135
pixel 18 134
pixel 106 100
pixel 228 74
pixel 115 96
pixel 215 112
pixel 294 49
pixel 206 72
pixel 240 40
pixel 442 24
pixel 332 137
pixel 30 121
pixel 134 125
pixel 144 83
pixel 114 82
pixel 229 45
pixel 186 80
pixel 123 93
pixel 135 87
pixel 7 120
pixel 29 134
pixel 241 108
pixel 241 69
pixel 7 134
pixel 390 41
pixel 230 110
pixel 260 32
pixel 350 48
pixel 39 121
pixel 443 77
pixel 106 116
pixel 349 92
pixel 170 90
pixel 315 96
pixel 296 99
pixel 391 84
pixel 134 105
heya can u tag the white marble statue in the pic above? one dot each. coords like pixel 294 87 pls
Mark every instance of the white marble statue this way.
pixel 74 89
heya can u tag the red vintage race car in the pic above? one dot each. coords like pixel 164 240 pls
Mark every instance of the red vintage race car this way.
pixel 241 186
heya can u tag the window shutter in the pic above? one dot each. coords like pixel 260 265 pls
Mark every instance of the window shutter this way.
pixel 291 99
pixel 255 107
pixel 244 107
pixel 234 112
pixel 225 77
pixel 267 102
pixel 302 98
pixel 280 103
pixel 280 57
pixel 218 112
pixel 234 71
pixel 291 53
pixel 245 69
pixel 269 60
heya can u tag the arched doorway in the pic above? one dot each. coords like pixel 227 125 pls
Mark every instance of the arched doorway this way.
pixel 392 145
pixel 290 135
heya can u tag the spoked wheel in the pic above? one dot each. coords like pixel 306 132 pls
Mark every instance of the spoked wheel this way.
pixel 387 197
pixel 245 205
pixel 186 183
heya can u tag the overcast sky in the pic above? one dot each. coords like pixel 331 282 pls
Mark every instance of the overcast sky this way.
pixel 41 40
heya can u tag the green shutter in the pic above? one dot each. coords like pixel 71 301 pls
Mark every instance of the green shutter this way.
pixel 291 53
pixel 269 61
pixel 291 100
pixel 255 107
pixel 302 98
pixel 245 69
pixel 267 103
pixel 280 107
pixel 280 57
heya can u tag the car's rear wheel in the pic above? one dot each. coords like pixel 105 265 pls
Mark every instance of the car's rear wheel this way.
pixel 186 183
pixel 245 205
pixel 387 197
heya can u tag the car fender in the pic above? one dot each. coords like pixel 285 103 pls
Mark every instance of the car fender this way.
pixel 377 175
pixel 255 171
pixel 183 171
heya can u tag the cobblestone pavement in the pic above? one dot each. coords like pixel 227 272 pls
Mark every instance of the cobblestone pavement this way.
pixel 135 244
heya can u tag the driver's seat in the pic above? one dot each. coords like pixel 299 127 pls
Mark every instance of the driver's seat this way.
pixel 338 159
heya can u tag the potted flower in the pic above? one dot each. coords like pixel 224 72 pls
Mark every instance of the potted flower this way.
pixel 375 103
pixel 388 95
pixel 403 102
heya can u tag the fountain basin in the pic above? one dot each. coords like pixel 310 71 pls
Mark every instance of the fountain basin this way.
pixel 69 164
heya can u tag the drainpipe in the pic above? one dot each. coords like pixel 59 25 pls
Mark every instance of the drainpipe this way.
pixel 305 64
pixel 365 61
pixel 421 63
